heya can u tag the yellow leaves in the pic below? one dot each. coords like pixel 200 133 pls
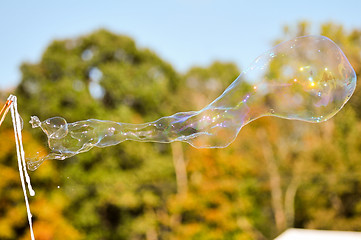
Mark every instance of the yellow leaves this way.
pixel 50 222
pixel 47 208
pixel 146 224
pixel 128 200
pixel 187 231
pixel 13 217
pixel 6 231
pixel 7 141
pixel 8 175
pixel 150 199
pixel 55 229
pixel 216 198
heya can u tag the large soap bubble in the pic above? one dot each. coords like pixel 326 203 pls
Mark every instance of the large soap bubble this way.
pixel 307 78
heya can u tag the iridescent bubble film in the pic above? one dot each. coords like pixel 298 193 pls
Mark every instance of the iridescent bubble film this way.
pixel 307 78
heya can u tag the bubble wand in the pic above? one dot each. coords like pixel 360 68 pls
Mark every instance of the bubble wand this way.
pixel 11 104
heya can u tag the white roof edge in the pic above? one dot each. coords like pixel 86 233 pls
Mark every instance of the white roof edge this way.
pixel 309 234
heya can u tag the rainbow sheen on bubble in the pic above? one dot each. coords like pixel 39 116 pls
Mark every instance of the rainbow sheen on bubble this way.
pixel 307 78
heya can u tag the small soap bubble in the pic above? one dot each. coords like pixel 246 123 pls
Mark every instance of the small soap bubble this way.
pixel 111 131
pixel 313 83
pixel 21 122
pixel 34 121
pixel 55 127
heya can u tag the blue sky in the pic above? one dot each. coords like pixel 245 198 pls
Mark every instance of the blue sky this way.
pixel 184 33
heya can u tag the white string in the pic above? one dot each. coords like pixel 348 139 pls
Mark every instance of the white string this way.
pixel 21 159
pixel 18 125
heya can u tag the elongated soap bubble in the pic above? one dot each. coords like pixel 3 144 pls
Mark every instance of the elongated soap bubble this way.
pixel 307 78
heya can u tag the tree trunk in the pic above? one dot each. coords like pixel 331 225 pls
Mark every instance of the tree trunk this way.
pixel 275 181
pixel 290 202
pixel 180 167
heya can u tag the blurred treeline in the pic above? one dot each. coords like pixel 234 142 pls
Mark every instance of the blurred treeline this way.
pixel 277 174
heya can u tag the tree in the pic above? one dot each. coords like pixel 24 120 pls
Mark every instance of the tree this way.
pixel 300 170
pixel 13 220
pixel 113 193
pixel 312 164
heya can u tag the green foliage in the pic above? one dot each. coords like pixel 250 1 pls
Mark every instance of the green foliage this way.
pixel 203 85
pixel 105 76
